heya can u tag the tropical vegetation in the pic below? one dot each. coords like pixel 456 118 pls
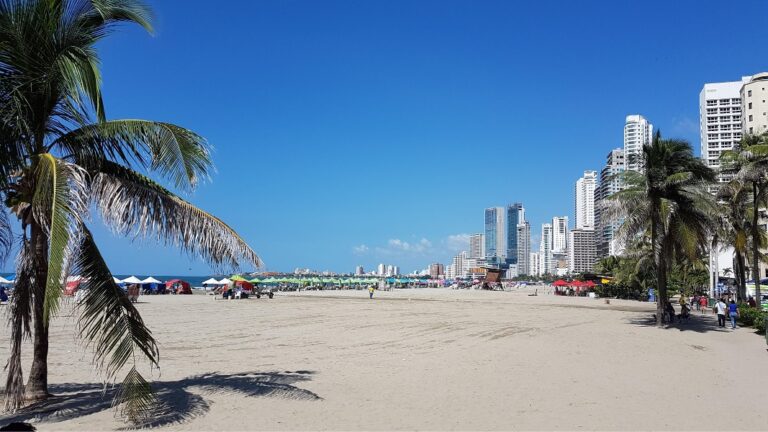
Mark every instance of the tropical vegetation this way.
pixel 62 157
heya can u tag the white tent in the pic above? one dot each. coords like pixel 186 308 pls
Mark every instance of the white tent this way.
pixel 117 281
pixel 211 281
pixel 225 281
pixel 150 280
pixel 131 280
pixel 4 280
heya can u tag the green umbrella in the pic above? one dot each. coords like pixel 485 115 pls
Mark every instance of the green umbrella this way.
pixel 238 278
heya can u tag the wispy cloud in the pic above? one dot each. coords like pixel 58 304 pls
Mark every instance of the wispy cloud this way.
pixel 360 249
pixel 395 246
pixel 455 243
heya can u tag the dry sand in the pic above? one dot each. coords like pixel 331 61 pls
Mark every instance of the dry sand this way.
pixel 424 359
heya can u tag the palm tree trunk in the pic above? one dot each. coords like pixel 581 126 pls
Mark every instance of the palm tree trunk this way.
pixel 37 385
pixel 741 276
pixel 660 263
pixel 756 240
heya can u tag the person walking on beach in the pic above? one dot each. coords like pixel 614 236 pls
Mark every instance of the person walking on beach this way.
pixel 733 313
pixel 370 291
pixel 720 308
pixel 703 302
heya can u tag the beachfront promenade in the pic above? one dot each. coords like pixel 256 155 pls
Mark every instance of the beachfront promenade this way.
pixel 426 359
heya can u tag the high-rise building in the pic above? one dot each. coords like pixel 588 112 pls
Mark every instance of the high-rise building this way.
pixel 390 270
pixel 754 94
pixel 359 270
pixel 381 270
pixel 477 245
pixel 585 200
pixel 534 264
pixel 720 121
pixel 515 215
pixel 436 270
pixel 610 183
pixel 395 270
pixel 495 233
pixel 459 265
pixel 545 250
pixel 637 133
pixel 559 234
pixel 523 247
pixel 582 253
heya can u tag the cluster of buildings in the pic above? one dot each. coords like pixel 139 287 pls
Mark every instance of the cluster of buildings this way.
pixel 728 112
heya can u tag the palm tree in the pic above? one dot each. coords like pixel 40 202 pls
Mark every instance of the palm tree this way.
pixel 733 202
pixel 667 202
pixel 748 162
pixel 61 157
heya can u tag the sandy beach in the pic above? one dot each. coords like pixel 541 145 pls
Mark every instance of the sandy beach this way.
pixel 432 359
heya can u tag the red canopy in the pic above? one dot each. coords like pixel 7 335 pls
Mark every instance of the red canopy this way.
pixel 560 283
pixel 245 285
pixel 590 284
pixel 185 287
pixel 577 283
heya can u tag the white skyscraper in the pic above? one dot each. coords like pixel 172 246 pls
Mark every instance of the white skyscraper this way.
pixel 559 234
pixel 381 270
pixel 477 245
pixel 720 120
pixel 606 227
pixel 534 264
pixel 637 133
pixel 585 200
pixel 523 247
pixel 359 270
pixel 545 249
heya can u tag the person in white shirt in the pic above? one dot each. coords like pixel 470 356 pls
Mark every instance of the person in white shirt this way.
pixel 720 308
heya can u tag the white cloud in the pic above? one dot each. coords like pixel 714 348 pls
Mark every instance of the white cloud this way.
pixel 360 250
pixel 457 242
pixel 418 247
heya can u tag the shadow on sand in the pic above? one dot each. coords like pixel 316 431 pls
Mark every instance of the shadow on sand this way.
pixel 699 323
pixel 176 403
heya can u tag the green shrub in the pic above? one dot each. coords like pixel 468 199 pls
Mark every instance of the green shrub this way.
pixel 760 322
pixel 747 315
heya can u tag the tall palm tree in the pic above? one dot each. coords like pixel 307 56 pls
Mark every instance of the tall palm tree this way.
pixel 61 157
pixel 748 162
pixel 734 227
pixel 669 203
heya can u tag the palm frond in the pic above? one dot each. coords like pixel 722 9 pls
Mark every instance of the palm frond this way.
pixel 19 317
pixel 178 154
pixel 135 398
pixel 58 203
pixel 6 236
pixel 132 204
pixel 111 324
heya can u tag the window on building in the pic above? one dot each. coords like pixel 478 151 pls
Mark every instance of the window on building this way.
pixel 749 105
pixel 750 130
pixel 749 92
pixel 725 110
pixel 750 117
pixel 711 102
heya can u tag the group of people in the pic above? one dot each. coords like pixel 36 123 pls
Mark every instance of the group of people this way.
pixel 724 308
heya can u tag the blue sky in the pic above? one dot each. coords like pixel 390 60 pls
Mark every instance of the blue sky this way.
pixel 363 132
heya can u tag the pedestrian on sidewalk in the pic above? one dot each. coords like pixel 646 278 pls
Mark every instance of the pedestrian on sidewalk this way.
pixel 720 308
pixel 733 312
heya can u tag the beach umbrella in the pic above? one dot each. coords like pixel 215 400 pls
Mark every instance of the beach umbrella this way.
pixel 225 281
pixel 131 280
pixel 150 280
pixel 238 278
pixel 590 284
pixel 255 280
pixel 210 281
pixel 4 280
pixel 560 283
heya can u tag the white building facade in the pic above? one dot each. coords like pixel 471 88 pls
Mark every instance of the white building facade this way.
pixel 585 200
pixel 637 133
pixel 582 253
pixel 477 245
pixel 559 234
pixel 523 248
pixel 720 121
pixel 545 250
